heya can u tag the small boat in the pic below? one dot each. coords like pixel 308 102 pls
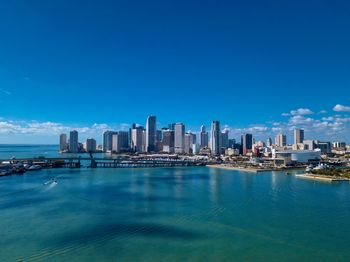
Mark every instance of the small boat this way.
pixel 34 167
pixel 52 181
pixel 309 168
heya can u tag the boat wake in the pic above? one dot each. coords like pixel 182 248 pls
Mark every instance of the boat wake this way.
pixel 50 184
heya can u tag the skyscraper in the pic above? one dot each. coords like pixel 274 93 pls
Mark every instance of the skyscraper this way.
pixel 246 143
pixel 168 141
pixel 151 133
pixel 121 141
pixel 269 142
pixel 224 139
pixel 190 139
pixel 90 145
pixel 108 140
pixel 73 141
pixel 63 142
pixel 203 137
pixel 215 138
pixel 137 139
pixel 187 143
pixel 172 126
pixel 179 138
pixel 281 140
pixel 298 136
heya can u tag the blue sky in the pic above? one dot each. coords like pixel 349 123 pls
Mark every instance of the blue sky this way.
pixel 93 65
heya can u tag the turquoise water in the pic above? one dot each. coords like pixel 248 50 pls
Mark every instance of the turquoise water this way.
pixel 28 151
pixel 172 214
pixel 23 151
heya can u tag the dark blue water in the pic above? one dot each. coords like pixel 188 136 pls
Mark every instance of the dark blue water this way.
pixel 172 214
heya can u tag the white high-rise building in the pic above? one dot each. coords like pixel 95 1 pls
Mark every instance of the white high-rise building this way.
pixel 179 138
pixel 73 141
pixel 63 142
pixel 215 138
pixel 137 134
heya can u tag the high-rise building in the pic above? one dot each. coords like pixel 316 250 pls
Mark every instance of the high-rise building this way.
pixel 90 145
pixel 190 139
pixel 168 141
pixel 137 139
pixel 224 139
pixel 63 142
pixel 188 143
pixel 298 136
pixel 107 140
pixel 172 126
pixel 215 138
pixel 179 138
pixel 73 141
pixel 151 133
pixel 281 140
pixel 231 143
pixel 246 143
pixel 203 137
pixel 121 141
pixel 269 142
pixel 159 141
pixel 144 148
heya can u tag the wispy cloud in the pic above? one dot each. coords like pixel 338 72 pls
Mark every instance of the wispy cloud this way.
pixel 6 92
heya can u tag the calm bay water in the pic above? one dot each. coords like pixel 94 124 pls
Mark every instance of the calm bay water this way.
pixel 172 214
pixel 28 151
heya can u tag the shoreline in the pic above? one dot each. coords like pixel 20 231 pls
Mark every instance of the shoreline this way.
pixel 250 170
pixel 322 178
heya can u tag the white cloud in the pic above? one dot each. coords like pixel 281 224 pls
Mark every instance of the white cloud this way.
pixel 285 114
pixel 341 108
pixel 301 111
pixel 49 129
pixel 316 126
